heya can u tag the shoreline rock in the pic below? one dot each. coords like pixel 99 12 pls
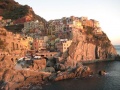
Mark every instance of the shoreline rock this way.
pixel 71 73
pixel 11 78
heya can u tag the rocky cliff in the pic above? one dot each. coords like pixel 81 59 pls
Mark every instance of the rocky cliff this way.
pixel 19 14
pixel 13 10
pixel 88 46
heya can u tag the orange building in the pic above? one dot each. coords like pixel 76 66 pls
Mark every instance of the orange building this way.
pixel 1 17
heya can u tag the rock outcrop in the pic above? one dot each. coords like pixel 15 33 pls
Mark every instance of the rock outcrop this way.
pixel 87 47
pixel 38 65
pixel 77 72
pixel 11 78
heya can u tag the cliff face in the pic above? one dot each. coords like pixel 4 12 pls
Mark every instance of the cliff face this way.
pixel 90 46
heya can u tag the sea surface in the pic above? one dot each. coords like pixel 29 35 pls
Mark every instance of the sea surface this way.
pixel 117 47
pixel 111 81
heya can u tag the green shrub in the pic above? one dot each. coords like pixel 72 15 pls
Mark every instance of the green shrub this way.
pixel 16 13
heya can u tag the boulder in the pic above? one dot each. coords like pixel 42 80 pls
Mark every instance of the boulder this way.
pixel 59 67
pixel 50 63
pixel 73 72
pixel 7 62
pixel 27 73
pixel 8 75
pixel 86 72
pixel 102 72
pixel 39 64
pixel 79 64
pixel 1 73
pixel 52 76
pixel 49 69
pixel 18 78
pixel 62 67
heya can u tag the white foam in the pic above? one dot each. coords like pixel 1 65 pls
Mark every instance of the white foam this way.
pixel 113 73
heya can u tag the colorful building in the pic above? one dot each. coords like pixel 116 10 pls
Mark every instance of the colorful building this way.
pixel 15 43
pixel 39 44
pixel 63 45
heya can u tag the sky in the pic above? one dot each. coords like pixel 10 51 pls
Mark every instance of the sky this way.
pixel 107 12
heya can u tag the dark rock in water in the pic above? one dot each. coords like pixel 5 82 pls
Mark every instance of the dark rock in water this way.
pixel 102 72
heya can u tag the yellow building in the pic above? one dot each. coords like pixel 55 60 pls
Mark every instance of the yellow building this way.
pixel 66 45
pixel 63 45
pixel 77 24
pixel 26 42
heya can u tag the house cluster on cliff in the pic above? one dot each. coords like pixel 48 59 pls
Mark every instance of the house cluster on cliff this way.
pixel 63 27
pixel 60 28
pixel 9 22
pixel 34 28
pixel 35 37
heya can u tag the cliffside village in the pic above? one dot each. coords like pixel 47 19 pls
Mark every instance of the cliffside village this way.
pixel 35 40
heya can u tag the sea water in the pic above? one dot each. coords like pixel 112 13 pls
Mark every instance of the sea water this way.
pixel 110 81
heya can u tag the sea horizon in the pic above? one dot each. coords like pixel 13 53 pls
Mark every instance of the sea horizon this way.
pixel 117 47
